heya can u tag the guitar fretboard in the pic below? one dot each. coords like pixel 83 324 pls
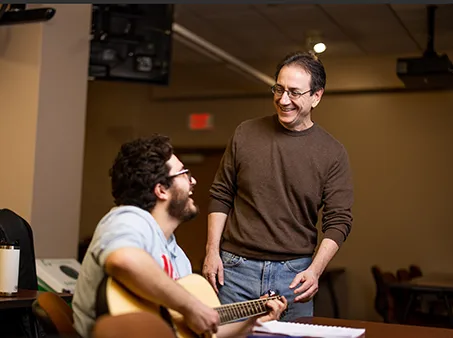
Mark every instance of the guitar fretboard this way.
pixel 235 311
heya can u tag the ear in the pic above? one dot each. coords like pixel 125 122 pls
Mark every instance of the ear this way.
pixel 161 192
pixel 316 98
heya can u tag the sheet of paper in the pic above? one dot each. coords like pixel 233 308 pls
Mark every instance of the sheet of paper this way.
pixel 308 330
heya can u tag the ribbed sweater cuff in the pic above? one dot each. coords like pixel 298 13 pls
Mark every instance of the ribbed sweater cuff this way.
pixel 335 235
pixel 217 206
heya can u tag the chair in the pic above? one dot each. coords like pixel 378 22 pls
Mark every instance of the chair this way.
pixel 383 301
pixel 54 314
pixel 400 305
pixel 137 325
pixel 403 275
pixel 415 271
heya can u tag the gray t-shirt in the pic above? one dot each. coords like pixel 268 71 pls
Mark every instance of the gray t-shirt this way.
pixel 124 226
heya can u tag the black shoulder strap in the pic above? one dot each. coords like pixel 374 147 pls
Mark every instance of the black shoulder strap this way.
pixel 3 236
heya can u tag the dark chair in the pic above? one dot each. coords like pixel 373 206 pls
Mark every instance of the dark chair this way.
pixel 54 315
pixel 390 303
pixel 400 305
pixel 137 325
pixel 383 301
pixel 403 275
pixel 415 271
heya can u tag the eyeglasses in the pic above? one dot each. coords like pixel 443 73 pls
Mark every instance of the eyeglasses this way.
pixel 182 172
pixel 278 90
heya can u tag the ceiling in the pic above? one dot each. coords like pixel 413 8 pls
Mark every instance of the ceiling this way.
pixel 265 32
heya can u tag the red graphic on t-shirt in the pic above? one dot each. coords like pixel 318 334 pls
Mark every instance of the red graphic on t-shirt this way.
pixel 168 268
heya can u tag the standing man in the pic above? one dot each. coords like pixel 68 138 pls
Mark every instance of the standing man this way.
pixel 135 242
pixel 277 172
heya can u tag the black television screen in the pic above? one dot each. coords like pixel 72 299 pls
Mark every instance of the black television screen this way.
pixel 131 43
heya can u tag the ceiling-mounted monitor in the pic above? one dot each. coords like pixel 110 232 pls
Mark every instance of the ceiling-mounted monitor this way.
pixel 131 43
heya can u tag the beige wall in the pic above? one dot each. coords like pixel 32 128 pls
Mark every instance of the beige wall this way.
pixel 42 124
pixel 61 131
pixel 20 60
pixel 398 146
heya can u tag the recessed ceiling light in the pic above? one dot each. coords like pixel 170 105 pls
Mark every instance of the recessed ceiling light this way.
pixel 319 47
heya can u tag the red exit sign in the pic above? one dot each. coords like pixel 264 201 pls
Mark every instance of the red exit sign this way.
pixel 201 121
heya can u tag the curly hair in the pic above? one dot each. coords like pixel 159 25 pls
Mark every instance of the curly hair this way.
pixel 138 167
pixel 311 64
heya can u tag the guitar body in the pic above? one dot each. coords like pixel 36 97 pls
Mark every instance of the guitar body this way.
pixel 121 301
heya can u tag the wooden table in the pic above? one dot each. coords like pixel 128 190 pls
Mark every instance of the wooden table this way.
pixel 25 298
pixel 434 282
pixel 380 330
pixel 22 301
pixel 438 280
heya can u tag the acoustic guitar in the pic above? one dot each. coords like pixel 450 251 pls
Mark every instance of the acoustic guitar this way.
pixel 120 300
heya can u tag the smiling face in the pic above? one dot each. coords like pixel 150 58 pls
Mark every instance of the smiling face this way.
pixel 294 113
pixel 181 206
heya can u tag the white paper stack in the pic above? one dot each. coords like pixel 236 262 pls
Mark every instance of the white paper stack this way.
pixel 308 330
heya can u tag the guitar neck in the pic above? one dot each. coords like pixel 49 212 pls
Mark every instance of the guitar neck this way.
pixel 235 311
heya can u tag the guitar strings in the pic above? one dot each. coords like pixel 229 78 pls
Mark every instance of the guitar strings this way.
pixel 229 312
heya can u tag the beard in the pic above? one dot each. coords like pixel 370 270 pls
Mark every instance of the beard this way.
pixel 181 208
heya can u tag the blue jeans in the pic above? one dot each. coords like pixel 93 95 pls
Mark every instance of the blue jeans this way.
pixel 247 279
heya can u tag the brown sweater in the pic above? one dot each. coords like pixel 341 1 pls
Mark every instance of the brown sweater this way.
pixel 272 182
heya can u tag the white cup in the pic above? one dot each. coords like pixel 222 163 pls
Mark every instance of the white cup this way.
pixel 9 269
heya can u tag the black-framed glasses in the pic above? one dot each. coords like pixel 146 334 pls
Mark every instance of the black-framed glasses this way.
pixel 278 90
pixel 182 172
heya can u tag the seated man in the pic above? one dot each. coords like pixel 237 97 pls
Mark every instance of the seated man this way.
pixel 134 242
